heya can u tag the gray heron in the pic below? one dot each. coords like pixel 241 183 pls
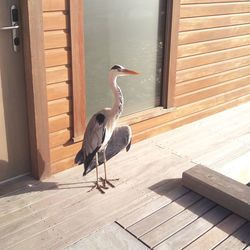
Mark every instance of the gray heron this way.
pixel 102 135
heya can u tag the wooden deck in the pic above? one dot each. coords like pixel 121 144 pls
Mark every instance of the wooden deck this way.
pixel 58 212
pixel 189 221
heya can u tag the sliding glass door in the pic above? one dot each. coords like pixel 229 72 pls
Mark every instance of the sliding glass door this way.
pixel 129 33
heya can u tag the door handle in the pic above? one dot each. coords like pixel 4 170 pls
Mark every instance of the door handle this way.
pixel 14 27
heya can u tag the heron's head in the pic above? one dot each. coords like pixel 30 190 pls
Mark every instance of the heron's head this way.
pixel 118 70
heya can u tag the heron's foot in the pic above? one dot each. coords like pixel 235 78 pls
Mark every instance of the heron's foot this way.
pixel 98 187
pixel 106 182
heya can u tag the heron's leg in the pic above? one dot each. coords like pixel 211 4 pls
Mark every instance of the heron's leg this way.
pixel 97 177
pixel 105 169
pixel 106 180
pixel 96 169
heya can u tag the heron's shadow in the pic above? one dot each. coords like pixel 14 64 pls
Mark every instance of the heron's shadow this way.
pixel 27 184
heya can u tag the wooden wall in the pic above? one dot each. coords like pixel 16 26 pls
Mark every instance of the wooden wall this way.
pixel 212 75
pixel 213 49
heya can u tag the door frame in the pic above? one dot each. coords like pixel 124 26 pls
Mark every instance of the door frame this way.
pixel 36 93
pixel 170 54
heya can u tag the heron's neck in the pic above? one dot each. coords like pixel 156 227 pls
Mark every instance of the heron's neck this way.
pixel 118 104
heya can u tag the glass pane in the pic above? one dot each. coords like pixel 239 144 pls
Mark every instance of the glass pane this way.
pixel 129 33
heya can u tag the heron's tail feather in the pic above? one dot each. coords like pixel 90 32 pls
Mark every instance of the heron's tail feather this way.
pixel 128 146
pixel 88 163
pixel 79 159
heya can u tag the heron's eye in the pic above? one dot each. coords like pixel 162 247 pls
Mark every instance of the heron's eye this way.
pixel 116 67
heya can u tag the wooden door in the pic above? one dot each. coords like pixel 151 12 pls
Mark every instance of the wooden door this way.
pixel 14 143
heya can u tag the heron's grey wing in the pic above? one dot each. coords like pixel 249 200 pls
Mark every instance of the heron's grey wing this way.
pixel 120 139
pixel 79 159
pixel 93 138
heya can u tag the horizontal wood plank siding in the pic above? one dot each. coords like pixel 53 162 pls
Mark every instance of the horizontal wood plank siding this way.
pixel 57 57
pixel 56 39
pixel 60 137
pixel 210 1
pixel 59 106
pixel 60 122
pixel 203 82
pixel 187 37
pixel 212 91
pixel 212 70
pixel 66 151
pixel 57 49
pixel 62 164
pixel 58 74
pixel 210 22
pixel 58 20
pixel 213 49
pixel 212 57
pixel 55 5
pixel 210 46
pixel 59 90
pixel 193 10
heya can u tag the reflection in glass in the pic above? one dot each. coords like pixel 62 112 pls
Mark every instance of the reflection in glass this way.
pixel 129 33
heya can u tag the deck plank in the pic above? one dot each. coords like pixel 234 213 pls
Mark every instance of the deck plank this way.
pixel 217 234
pixel 237 169
pixel 163 214
pixel 14 185
pixel 151 207
pixel 33 191
pixel 239 240
pixel 111 237
pixel 177 223
pixel 194 230
pixel 221 154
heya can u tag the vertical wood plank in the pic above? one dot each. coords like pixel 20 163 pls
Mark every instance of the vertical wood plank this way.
pixel 78 66
pixel 32 24
pixel 171 45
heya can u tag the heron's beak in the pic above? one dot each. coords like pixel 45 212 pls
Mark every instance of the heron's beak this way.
pixel 129 72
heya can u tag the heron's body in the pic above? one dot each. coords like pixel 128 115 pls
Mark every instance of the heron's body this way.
pixel 102 124
pixel 98 132
pixel 120 139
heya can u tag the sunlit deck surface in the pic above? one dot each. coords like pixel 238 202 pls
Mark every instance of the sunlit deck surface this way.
pixel 148 201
